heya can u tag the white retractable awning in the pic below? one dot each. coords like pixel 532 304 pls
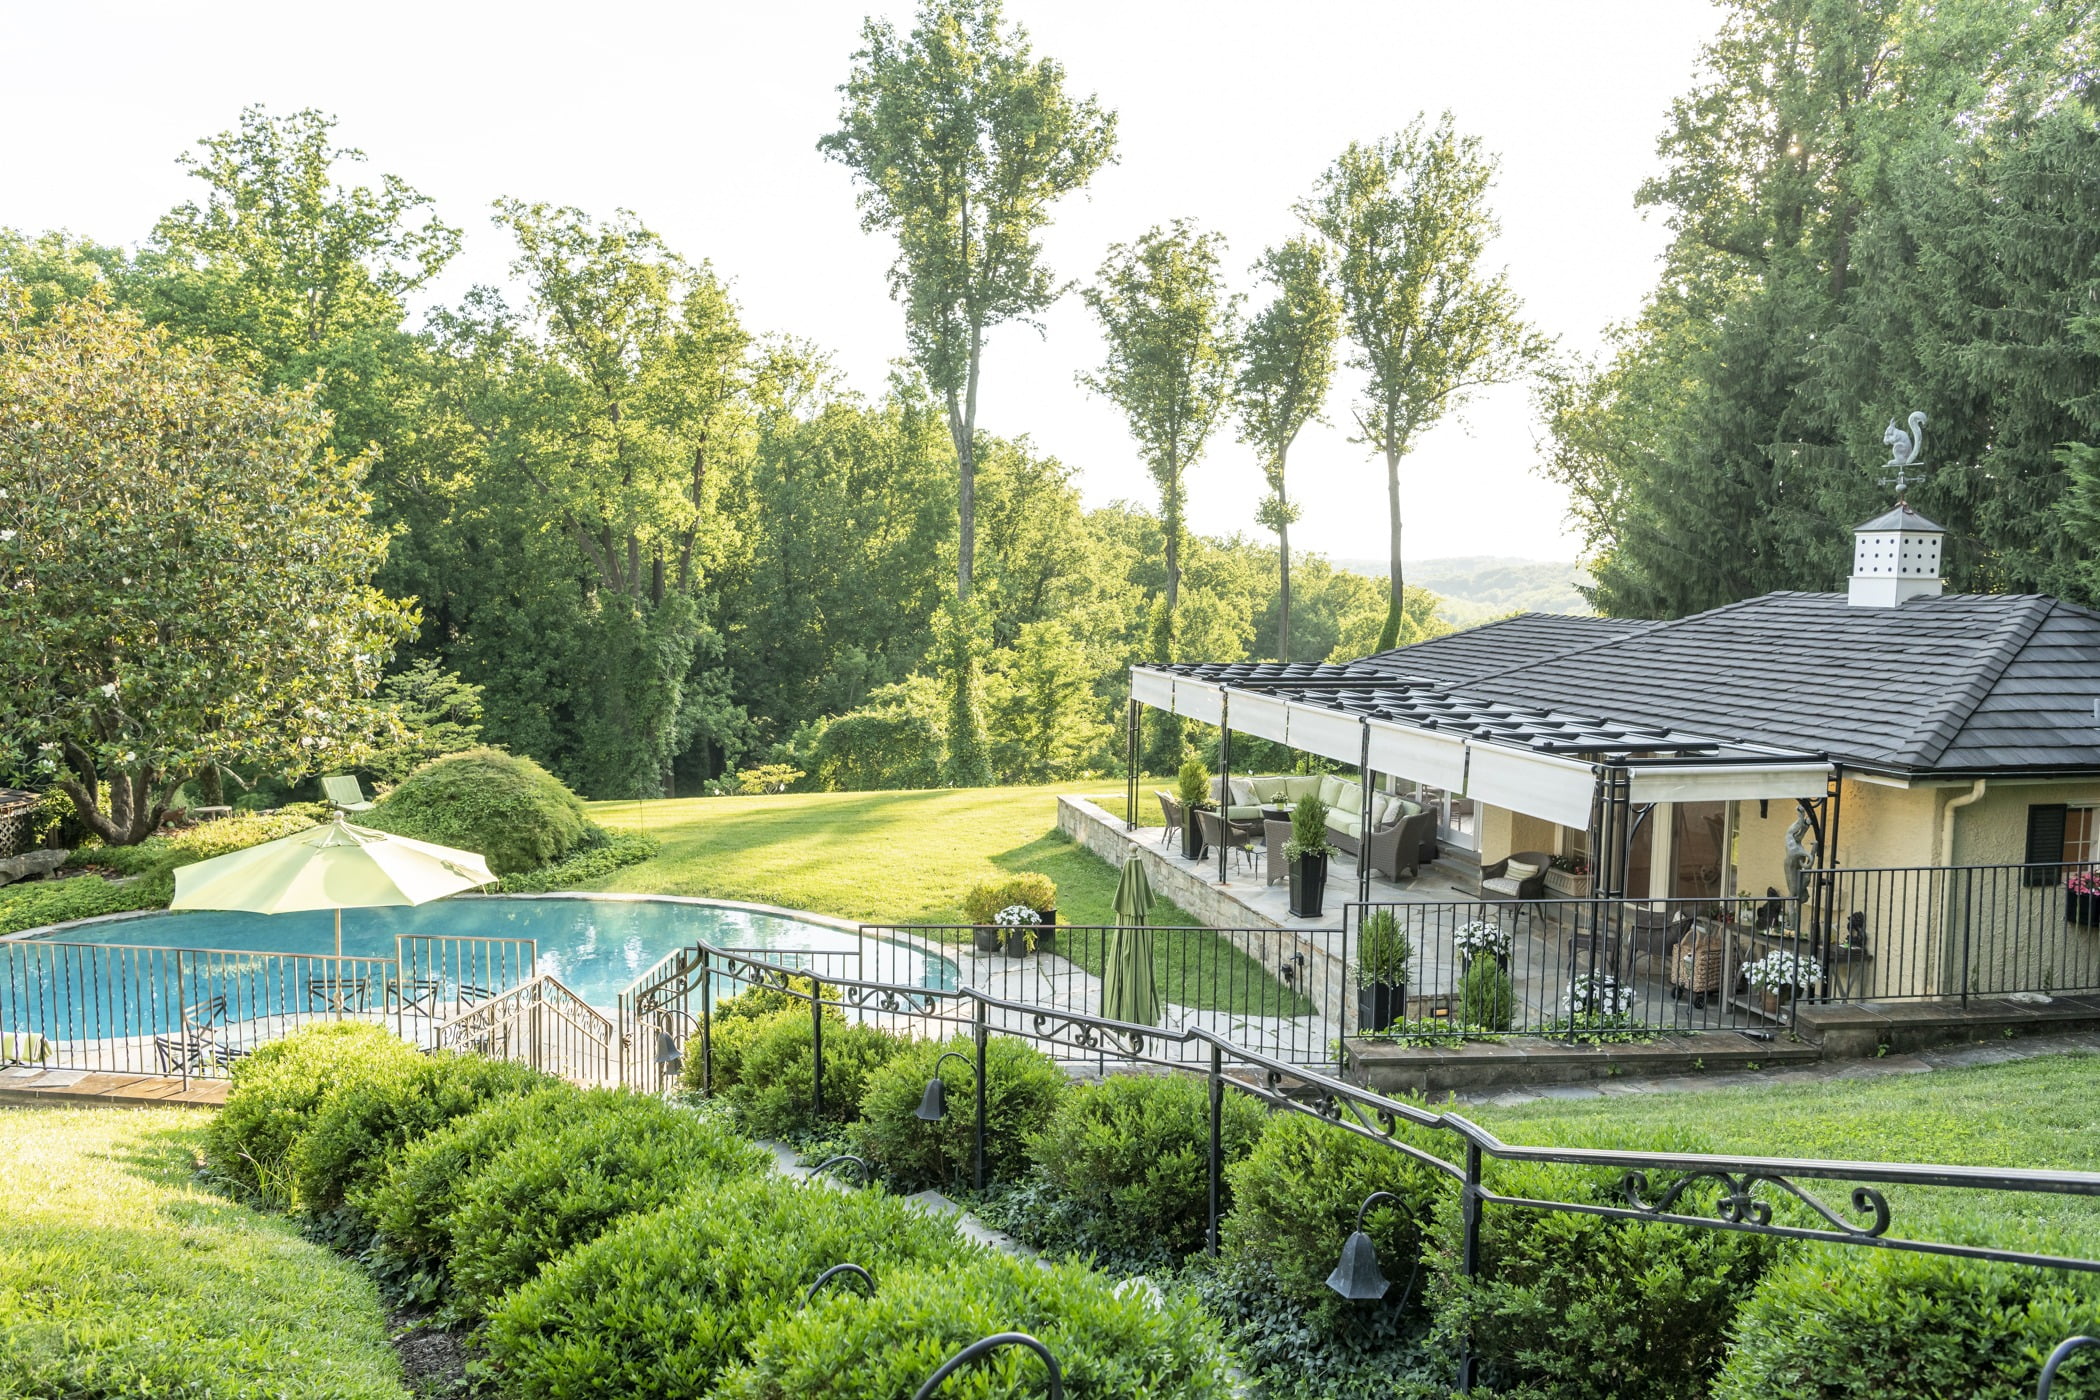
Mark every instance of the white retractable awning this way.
pixel 1557 789
pixel 1328 733
pixel 1439 760
pixel 1263 716
pixel 1726 782
pixel 1199 700
pixel 1154 688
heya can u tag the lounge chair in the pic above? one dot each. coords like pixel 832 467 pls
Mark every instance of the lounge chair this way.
pixel 1523 886
pixel 24 1048
pixel 196 1045
pixel 345 794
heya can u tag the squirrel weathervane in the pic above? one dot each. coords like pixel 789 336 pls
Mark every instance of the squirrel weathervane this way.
pixel 1905 448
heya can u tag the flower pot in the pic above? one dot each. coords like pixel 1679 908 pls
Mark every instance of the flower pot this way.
pixel 1015 944
pixel 1567 885
pixel 2082 908
pixel 1774 998
pixel 987 937
pixel 1379 1005
pixel 1192 843
pixel 1308 886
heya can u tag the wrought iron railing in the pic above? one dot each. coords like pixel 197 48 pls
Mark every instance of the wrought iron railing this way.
pixel 1958 932
pixel 1828 1201
pixel 539 1023
pixel 194 1012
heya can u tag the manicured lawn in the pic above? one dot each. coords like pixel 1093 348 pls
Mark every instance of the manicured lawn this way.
pixel 2029 1113
pixel 910 858
pixel 119 1275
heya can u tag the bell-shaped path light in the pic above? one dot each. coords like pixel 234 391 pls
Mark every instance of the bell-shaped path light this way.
pixel 1357 1277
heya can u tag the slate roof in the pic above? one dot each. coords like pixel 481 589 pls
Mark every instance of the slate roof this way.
pixel 1495 647
pixel 1957 684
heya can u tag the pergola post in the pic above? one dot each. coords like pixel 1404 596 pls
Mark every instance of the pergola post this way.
pixel 1224 782
pixel 1363 818
pixel 1130 763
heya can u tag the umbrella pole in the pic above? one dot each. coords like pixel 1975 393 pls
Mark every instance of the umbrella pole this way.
pixel 339 935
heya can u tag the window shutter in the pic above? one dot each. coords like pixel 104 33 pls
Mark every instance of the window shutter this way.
pixel 2045 842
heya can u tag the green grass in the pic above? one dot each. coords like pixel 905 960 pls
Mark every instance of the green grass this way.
pixel 2029 1113
pixel 119 1275
pixel 909 858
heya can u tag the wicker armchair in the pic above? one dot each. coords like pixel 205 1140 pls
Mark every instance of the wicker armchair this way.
pixel 1398 847
pixel 1219 833
pixel 1275 836
pixel 1170 809
pixel 1695 963
pixel 1496 886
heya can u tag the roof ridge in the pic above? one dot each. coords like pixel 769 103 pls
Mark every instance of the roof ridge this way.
pixel 1655 625
pixel 1951 712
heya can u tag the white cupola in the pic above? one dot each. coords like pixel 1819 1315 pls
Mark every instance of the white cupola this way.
pixel 1895 558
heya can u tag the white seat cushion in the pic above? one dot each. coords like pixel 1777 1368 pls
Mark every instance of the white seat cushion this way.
pixel 1505 886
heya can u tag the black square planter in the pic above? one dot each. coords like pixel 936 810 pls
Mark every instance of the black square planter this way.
pixel 2082 908
pixel 1379 1005
pixel 1308 886
pixel 1193 846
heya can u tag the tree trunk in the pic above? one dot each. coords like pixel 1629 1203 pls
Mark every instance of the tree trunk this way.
pixel 211 786
pixel 1390 637
pixel 1283 592
pixel 966 500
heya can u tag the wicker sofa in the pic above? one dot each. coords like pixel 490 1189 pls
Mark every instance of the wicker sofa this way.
pixel 1401 829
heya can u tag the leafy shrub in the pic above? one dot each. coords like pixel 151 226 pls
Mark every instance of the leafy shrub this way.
pixel 1132 1153
pixel 895 740
pixel 507 809
pixel 1295 1198
pixel 1486 996
pixel 543 1195
pixel 1383 951
pixel 35 903
pixel 618 852
pixel 412 1209
pixel 1831 1323
pixel 158 855
pixel 1192 783
pixel 1022 1087
pixel 987 897
pixel 278 1092
pixel 363 1124
pixel 1587 1307
pixel 733 1025
pixel 1113 1343
pixel 773 1093
pixel 662 1303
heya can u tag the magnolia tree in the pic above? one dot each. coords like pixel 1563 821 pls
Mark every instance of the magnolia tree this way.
pixel 185 570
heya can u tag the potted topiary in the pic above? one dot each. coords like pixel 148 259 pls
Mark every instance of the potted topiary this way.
pixel 1193 788
pixel 1306 853
pixel 1382 957
pixel 990 900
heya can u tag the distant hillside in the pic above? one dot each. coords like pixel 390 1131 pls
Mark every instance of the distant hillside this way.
pixel 1479 587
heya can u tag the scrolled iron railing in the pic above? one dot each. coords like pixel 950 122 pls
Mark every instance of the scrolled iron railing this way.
pixel 543 1024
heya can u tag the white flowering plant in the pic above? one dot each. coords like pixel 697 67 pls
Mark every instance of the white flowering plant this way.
pixel 1780 970
pixel 1482 938
pixel 1597 994
pixel 1017 916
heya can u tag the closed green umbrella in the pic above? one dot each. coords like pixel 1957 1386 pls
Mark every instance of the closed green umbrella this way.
pixel 1128 991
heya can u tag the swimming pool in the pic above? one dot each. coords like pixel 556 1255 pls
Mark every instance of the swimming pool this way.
pixel 596 946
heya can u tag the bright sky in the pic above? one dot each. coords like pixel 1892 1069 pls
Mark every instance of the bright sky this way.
pixel 704 119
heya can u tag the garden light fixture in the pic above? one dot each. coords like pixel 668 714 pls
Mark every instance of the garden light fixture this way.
pixel 934 1105
pixel 1357 1277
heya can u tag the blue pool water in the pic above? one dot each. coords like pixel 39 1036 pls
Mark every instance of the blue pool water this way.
pixel 597 947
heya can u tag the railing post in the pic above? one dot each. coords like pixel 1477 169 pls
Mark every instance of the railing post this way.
pixel 816 1034
pixel 1217 1145
pixel 1130 766
pixel 983 1035
pixel 182 1022
pixel 707 1025
pixel 1469 1256
pixel 1968 908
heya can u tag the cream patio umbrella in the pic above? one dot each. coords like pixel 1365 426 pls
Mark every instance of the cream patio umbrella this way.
pixel 338 866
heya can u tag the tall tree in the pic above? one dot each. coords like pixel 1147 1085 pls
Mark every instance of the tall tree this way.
pixel 1169 327
pixel 185 569
pixel 1287 366
pixel 1409 219
pixel 962 139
